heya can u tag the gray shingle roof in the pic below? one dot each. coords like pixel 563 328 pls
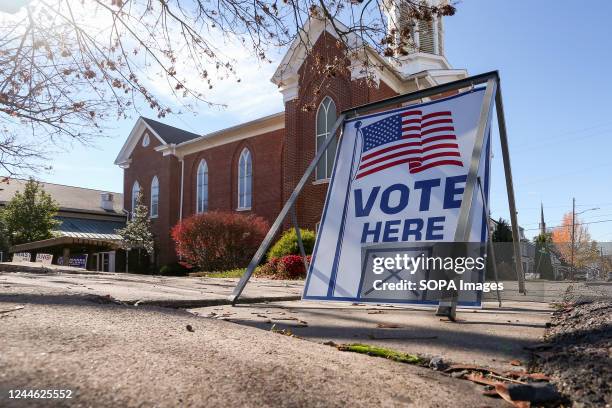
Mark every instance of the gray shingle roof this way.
pixel 68 197
pixel 170 134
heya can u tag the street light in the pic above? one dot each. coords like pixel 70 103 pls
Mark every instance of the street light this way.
pixel 574 214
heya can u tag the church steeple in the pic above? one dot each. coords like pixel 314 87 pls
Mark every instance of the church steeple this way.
pixel 542 223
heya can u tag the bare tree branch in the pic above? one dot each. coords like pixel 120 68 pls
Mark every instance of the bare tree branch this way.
pixel 68 67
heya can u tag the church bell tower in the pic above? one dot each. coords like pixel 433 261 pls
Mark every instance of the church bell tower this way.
pixel 424 50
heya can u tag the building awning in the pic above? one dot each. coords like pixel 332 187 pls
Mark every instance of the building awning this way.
pixel 65 240
pixel 88 228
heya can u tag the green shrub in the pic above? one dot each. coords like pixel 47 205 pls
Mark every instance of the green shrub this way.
pixel 288 244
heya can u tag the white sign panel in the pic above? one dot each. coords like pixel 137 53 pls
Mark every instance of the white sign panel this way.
pixel 22 257
pixel 398 180
pixel 45 259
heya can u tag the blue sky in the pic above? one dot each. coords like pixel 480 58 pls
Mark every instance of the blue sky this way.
pixel 553 59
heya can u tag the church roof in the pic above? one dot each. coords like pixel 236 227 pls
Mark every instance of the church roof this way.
pixel 170 134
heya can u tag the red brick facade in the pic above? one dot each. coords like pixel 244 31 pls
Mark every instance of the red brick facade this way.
pixel 280 157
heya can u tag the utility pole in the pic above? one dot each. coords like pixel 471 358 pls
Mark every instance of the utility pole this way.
pixel 573 236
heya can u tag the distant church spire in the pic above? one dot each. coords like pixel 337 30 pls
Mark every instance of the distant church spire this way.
pixel 542 223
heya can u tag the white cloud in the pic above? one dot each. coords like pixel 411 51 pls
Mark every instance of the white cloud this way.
pixel 254 96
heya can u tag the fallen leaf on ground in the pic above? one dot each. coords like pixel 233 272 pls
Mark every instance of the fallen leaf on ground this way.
pixel 388 326
pixel 515 373
pixel 470 367
pixel 481 379
pixel 189 328
pixel 538 376
pixel 515 362
pixel 13 309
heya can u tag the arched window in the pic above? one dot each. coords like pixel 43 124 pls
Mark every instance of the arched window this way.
pixel 326 117
pixel 135 192
pixel 154 197
pixel 245 180
pixel 202 188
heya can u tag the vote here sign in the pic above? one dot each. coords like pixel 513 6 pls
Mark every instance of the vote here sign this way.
pixel 398 184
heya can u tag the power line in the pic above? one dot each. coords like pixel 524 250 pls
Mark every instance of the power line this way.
pixel 587 217
pixel 563 225
pixel 565 206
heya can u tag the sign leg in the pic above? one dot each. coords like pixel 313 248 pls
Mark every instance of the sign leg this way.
pixel 516 238
pixel 448 303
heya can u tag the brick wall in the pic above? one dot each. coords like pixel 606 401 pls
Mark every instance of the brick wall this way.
pixel 146 164
pixel 300 115
pixel 222 164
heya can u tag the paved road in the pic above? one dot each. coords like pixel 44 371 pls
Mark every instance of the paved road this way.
pixel 116 355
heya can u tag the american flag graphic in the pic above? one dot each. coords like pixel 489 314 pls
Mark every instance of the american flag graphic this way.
pixel 411 138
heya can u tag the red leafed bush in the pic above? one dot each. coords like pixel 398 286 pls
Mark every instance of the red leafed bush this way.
pixel 292 266
pixel 216 241
pixel 287 267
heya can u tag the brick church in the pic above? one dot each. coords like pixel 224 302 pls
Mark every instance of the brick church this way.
pixel 253 167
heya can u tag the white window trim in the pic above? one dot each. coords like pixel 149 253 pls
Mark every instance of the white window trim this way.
pixel 250 155
pixel 205 163
pixel 155 179
pixel 326 107
pixel 146 140
pixel 134 195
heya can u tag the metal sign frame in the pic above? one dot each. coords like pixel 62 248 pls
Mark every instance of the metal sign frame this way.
pixel 492 98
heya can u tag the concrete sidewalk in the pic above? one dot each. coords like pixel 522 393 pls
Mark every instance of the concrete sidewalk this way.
pixel 168 291
pixel 489 337
pixel 113 355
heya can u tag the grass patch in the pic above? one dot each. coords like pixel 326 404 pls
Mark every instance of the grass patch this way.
pixel 237 273
pixel 381 352
pixel 231 273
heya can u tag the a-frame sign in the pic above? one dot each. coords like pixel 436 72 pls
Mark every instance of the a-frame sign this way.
pixel 435 142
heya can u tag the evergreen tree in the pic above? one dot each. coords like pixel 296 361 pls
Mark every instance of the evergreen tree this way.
pixel 137 232
pixel 504 252
pixel 502 231
pixel 4 243
pixel 543 263
pixel 29 216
